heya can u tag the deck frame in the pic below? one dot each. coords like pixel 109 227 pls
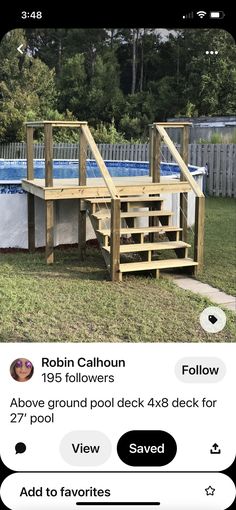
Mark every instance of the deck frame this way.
pixel 49 190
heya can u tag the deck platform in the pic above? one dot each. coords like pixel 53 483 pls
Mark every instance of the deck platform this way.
pixel 95 187
pixel 116 190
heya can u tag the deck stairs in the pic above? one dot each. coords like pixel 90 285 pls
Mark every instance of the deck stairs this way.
pixel 149 241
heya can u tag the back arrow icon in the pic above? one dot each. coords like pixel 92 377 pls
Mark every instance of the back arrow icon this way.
pixel 19 49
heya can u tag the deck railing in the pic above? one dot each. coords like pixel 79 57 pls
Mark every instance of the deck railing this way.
pixel 86 140
pixel 158 135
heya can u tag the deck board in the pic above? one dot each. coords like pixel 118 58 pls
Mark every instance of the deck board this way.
pixel 70 189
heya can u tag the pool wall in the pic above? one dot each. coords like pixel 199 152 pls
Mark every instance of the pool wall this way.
pixel 14 216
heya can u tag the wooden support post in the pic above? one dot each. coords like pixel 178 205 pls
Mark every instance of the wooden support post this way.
pixel 49 237
pixel 83 144
pixel 156 177
pixel 115 240
pixel 48 142
pixel 199 232
pixel 82 230
pixel 156 157
pixel 82 182
pixel 30 152
pixel 184 196
pixel 151 136
pixel 31 223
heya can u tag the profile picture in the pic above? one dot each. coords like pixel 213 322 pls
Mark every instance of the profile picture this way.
pixel 21 369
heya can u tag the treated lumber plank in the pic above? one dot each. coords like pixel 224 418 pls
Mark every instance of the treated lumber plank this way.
pixel 56 123
pixel 134 214
pixel 183 167
pixel 82 233
pixel 60 193
pixel 155 155
pixel 49 227
pixel 171 245
pixel 32 188
pixel 82 182
pixel 31 223
pixel 30 152
pixel 115 239
pixel 156 264
pixel 125 199
pixel 48 155
pixel 199 232
pixel 172 124
pixel 184 196
pixel 82 158
pixel 141 230
pixel 99 160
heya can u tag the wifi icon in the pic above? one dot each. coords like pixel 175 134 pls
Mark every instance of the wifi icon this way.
pixel 201 14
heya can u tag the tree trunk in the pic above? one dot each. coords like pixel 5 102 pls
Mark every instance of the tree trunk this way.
pixel 141 61
pixel 134 44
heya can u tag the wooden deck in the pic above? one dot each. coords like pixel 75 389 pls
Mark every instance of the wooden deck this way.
pixel 95 187
pixel 119 194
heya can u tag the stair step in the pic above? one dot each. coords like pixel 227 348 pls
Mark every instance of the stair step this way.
pixel 141 230
pixel 133 248
pixel 125 199
pixel 156 264
pixel 134 214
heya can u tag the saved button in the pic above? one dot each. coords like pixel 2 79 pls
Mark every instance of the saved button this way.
pixel 146 448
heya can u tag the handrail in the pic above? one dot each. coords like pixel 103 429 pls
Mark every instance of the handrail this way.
pixel 97 156
pixel 165 137
pixel 199 201
pixel 115 205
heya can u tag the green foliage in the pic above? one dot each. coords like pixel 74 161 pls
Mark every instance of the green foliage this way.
pixel 27 89
pixel 220 138
pixel 88 74
pixel 107 134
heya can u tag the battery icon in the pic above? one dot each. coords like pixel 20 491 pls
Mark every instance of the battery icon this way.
pixel 217 14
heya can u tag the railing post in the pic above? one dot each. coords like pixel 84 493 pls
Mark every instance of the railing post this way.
pixel 183 220
pixel 49 204
pixel 155 165
pixel 48 143
pixel 115 240
pixel 155 155
pixel 30 152
pixel 82 182
pixel 30 177
pixel 151 134
pixel 199 232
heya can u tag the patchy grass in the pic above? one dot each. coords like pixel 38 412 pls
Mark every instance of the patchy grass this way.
pixel 73 302
pixel 220 244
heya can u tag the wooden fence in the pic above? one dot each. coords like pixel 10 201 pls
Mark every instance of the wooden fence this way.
pixel 219 158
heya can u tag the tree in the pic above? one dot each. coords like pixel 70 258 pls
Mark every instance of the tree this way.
pixel 27 88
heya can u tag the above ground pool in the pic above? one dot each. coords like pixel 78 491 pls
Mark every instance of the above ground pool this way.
pixel 14 209
pixel 14 170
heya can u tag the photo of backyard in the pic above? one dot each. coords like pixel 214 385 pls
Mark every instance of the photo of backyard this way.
pixel 117 184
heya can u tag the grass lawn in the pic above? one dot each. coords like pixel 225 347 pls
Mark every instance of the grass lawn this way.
pixel 220 244
pixel 73 302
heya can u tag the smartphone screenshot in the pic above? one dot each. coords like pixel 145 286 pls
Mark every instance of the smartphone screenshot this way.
pixel 117 259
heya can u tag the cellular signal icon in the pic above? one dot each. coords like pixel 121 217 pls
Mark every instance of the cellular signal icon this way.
pixel 190 15
pixel 201 14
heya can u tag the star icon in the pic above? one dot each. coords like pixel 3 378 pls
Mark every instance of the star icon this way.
pixel 210 491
